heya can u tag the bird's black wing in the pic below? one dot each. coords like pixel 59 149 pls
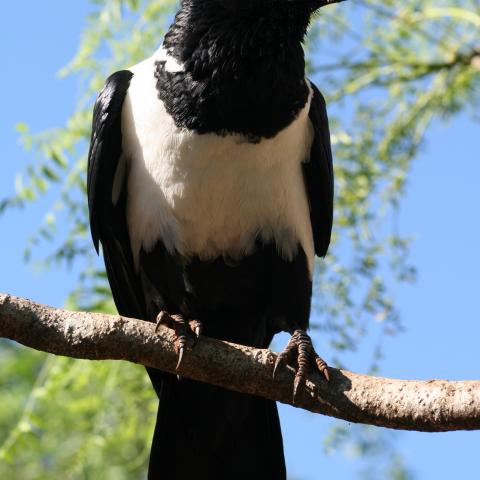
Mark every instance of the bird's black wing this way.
pixel 107 215
pixel 318 174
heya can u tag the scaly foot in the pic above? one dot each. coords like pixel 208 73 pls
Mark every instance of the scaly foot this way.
pixel 182 328
pixel 300 353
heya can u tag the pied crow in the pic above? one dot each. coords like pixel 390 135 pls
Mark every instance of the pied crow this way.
pixel 210 190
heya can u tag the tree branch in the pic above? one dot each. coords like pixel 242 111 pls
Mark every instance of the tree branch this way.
pixel 432 406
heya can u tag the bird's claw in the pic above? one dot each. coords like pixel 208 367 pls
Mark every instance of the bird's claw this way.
pixel 196 327
pixel 300 352
pixel 181 328
pixel 286 356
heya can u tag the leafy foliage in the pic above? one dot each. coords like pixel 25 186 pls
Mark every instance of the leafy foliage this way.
pixel 388 69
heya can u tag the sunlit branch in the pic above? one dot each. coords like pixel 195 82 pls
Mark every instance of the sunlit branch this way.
pixel 433 405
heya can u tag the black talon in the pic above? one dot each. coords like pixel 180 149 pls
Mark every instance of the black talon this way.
pixel 278 361
pixel 181 327
pixel 299 381
pixel 323 367
pixel 196 327
pixel 163 318
pixel 180 357
pixel 300 348
pixel 284 357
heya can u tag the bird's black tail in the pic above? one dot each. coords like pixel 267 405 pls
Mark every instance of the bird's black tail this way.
pixel 205 432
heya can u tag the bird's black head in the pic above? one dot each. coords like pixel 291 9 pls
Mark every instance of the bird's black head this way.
pixel 291 15
pixel 242 65
pixel 242 6
pixel 253 25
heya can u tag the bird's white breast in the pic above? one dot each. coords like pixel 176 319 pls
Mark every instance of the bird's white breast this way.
pixel 211 195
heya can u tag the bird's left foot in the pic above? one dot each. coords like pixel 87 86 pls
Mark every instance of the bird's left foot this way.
pixel 300 353
pixel 182 329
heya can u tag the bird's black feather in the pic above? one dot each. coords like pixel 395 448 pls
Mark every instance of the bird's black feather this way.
pixel 318 175
pixel 107 220
pixel 227 435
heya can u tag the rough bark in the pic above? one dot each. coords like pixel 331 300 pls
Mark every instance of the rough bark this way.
pixel 433 405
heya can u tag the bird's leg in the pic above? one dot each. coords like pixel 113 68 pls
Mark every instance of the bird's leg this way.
pixel 300 353
pixel 182 328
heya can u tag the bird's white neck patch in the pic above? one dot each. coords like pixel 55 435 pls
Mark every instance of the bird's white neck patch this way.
pixel 171 64
pixel 209 195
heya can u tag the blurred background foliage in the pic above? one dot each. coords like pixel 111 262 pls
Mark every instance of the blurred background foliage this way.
pixel 387 70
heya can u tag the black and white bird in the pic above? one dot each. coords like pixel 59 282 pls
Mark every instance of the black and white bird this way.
pixel 210 190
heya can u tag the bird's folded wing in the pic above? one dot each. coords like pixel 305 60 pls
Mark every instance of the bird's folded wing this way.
pixel 318 175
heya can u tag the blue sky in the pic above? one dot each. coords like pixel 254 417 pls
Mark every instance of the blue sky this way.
pixel 440 311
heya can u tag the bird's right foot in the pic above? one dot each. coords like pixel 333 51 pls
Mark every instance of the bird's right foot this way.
pixel 182 329
pixel 300 353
